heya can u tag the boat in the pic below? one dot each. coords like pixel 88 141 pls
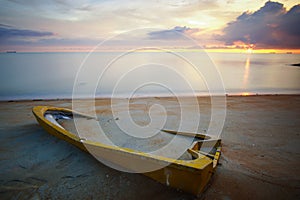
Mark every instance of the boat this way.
pixel 190 173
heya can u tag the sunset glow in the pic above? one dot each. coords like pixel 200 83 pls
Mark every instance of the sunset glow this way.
pixel 217 26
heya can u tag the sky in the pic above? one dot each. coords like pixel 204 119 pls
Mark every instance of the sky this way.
pixel 80 25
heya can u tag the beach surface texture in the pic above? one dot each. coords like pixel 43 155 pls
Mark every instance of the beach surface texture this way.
pixel 260 155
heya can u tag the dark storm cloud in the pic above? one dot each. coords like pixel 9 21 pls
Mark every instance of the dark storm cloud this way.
pixel 272 26
pixel 7 32
pixel 171 34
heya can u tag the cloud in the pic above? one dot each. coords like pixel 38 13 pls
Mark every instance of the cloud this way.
pixel 12 37
pixel 7 32
pixel 94 19
pixel 26 40
pixel 272 26
pixel 32 38
pixel 5 25
pixel 67 42
pixel 176 33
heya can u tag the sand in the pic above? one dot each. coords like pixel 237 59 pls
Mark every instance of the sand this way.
pixel 260 156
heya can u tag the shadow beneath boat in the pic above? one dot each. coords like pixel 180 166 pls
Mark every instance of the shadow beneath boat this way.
pixel 34 164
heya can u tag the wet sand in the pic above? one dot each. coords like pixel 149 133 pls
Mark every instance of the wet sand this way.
pixel 260 156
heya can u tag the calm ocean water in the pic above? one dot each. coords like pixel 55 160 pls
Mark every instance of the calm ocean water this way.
pixel 55 75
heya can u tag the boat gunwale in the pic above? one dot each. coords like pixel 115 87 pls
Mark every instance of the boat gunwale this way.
pixel 198 163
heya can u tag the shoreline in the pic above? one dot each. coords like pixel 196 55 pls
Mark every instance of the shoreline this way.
pixel 145 97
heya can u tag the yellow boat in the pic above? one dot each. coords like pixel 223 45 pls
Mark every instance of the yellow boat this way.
pixel 190 173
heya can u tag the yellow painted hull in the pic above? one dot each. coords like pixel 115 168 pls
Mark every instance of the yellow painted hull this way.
pixel 191 176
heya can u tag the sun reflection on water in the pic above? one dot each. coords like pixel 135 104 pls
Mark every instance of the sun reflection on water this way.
pixel 246 72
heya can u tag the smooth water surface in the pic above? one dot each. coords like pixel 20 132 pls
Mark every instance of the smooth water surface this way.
pixel 53 75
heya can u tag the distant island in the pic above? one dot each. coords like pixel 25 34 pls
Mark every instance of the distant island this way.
pixel 296 64
pixel 11 51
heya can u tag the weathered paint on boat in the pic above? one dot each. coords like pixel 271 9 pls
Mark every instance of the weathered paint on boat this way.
pixel 188 175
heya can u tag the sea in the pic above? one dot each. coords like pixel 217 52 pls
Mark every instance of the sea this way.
pixel 26 76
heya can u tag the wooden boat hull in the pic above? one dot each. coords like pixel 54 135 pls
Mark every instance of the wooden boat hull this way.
pixel 191 176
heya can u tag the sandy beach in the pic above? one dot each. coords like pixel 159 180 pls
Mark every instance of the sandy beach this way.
pixel 260 156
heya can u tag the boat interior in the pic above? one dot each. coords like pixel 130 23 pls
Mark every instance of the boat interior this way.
pixel 105 130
